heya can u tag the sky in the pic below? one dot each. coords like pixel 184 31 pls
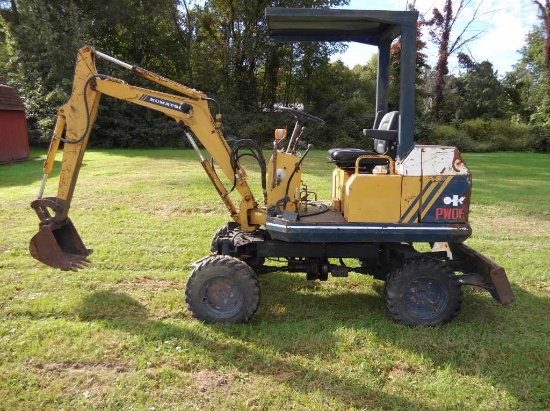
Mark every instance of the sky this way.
pixel 504 23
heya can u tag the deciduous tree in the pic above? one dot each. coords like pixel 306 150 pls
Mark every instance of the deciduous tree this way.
pixel 483 93
pixel 441 27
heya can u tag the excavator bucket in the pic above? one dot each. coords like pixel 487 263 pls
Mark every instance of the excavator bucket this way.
pixel 60 247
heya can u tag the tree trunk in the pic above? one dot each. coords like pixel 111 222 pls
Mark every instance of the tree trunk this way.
pixel 442 65
pixel 187 39
pixel 544 10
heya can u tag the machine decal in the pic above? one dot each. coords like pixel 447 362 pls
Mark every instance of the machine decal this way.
pixel 431 190
pixel 434 195
pixel 161 102
pixel 449 204
pixel 449 213
pixel 454 200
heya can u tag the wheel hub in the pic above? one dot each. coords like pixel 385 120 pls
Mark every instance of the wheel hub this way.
pixel 222 297
pixel 425 298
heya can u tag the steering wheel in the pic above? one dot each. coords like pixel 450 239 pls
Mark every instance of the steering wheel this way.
pixel 301 116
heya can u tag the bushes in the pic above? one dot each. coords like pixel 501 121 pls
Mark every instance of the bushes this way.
pixel 447 135
pixel 541 138
pixel 486 135
pixel 123 125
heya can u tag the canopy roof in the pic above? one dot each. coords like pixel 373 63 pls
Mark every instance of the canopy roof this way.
pixel 363 26
pixel 374 27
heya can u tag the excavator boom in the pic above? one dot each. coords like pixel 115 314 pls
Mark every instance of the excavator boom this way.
pixel 57 243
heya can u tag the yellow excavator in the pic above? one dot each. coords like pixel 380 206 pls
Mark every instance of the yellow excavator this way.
pixel 384 201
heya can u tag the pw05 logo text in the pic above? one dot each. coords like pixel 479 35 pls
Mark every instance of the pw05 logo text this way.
pixel 451 213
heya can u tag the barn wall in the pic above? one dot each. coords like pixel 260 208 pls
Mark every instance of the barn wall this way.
pixel 14 138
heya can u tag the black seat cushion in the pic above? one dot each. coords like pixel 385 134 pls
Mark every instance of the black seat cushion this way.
pixel 384 134
pixel 346 157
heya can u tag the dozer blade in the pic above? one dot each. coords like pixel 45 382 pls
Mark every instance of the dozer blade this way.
pixel 493 277
pixel 60 247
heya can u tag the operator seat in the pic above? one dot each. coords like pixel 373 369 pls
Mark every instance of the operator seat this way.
pixel 384 135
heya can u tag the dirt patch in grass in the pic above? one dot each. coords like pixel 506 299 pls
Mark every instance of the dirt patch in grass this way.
pixel 536 228
pixel 492 219
pixel 231 390
pixel 86 380
pixel 399 369
pixel 170 211
pixel 147 283
pixel 82 368
pixel 210 381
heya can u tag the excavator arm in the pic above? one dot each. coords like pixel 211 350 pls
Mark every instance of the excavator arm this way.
pixel 57 242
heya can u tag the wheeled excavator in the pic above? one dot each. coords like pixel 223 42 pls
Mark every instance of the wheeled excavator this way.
pixel 385 202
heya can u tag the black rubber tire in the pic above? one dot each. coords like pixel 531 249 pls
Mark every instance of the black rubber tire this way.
pixel 222 289
pixel 423 292
pixel 214 243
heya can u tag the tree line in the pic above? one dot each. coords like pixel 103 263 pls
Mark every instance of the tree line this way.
pixel 221 47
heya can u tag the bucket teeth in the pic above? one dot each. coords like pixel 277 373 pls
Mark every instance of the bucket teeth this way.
pixel 74 262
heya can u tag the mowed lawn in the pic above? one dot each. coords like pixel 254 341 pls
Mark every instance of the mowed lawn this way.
pixel 118 336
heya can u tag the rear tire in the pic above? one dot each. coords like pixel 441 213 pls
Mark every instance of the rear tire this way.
pixel 423 292
pixel 222 289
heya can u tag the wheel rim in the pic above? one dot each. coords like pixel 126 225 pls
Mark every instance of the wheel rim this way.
pixel 426 298
pixel 222 298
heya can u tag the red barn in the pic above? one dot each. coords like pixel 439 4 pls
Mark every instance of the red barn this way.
pixel 14 138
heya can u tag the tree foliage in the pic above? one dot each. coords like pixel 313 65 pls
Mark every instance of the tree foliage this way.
pixel 482 92
pixel 220 46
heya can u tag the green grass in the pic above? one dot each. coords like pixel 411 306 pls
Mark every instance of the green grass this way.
pixel 117 335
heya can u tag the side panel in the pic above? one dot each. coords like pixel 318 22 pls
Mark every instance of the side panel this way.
pixel 445 185
pixel 373 198
pixel 432 161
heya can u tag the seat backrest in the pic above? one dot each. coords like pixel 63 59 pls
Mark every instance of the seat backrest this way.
pixel 390 121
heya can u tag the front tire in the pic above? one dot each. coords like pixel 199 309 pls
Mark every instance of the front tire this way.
pixel 423 292
pixel 222 289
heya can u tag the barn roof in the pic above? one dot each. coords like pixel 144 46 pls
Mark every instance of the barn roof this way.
pixel 10 100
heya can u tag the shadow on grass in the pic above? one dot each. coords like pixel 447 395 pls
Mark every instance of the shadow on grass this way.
pixel 227 346
pixel 26 172
pixel 505 345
